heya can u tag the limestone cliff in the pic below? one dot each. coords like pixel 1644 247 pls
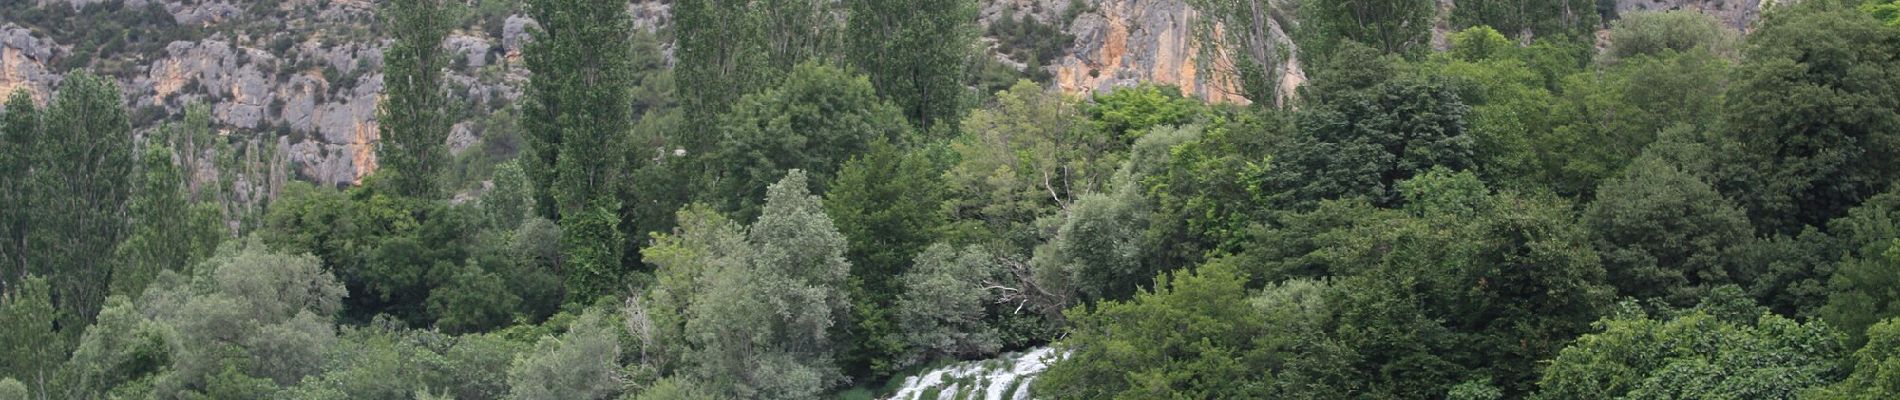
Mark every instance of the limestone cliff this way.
pixel 304 71
pixel 305 74
pixel 1125 42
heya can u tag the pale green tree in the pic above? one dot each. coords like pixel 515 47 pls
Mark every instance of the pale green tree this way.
pixel 11 389
pixel 755 315
pixel 1029 155
pixel 247 320
pixel 167 232
pixel 1876 367
pixel 1698 355
pixel 942 310
pixel 580 364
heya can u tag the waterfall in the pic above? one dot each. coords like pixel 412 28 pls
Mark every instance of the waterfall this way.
pixel 1001 378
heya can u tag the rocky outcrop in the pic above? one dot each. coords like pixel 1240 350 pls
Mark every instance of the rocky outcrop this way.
pixel 1122 43
pixel 23 59
pixel 312 78
pixel 1126 42
pixel 1736 14
pixel 307 72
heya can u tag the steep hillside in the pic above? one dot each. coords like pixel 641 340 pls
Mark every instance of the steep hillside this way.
pixel 303 76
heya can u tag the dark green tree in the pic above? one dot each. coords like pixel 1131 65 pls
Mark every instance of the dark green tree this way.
pixel 390 251
pixel 1665 234
pixel 1459 284
pixel 1860 290
pixel 1205 196
pixel 1361 144
pixel 1393 26
pixel 888 204
pixel 1815 107
pixel 167 232
pixel 916 53
pixel 19 136
pixel 817 119
pixel 81 183
pixel 414 119
pixel 728 49
pixel 577 116
pixel 29 335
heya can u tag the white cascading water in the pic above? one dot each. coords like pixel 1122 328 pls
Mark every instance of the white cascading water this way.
pixel 1002 378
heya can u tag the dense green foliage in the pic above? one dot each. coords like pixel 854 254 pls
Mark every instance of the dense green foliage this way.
pixel 577 132
pixel 414 118
pixel 1694 355
pixel 814 121
pixel 77 187
pixel 915 52
pixel 817 198
pixel 1813 110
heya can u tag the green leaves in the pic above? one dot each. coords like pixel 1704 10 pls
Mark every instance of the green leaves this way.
pixel 1875 367
pixel 1665 234
pixel 414 116
pixel 1815 108
pixel 752 314
pixel 1695 355
pixel 916 53
pixel 817 119
pixel 579 364
pixel 1360 144
pixel 942 309
pixel 247 319
pixel 80 183
pixel 27 333
pixel 578 133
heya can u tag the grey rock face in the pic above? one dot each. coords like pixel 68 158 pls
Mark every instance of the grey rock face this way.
pixel 23 59
pixel 1736 14
pixel 470 48
pixel 309 71
pixel 311 75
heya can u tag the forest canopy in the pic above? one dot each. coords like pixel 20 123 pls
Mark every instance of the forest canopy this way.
pixel 791 199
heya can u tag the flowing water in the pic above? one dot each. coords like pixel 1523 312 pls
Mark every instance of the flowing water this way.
pixel 1002 378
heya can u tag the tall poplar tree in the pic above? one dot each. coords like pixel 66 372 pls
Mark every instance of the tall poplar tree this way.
pixel 916 53
pixel 28 336
pixel 414 117
pixel 167 232
pixel 578 117
pixel 730 48
pixel 80 186
pixel 19 131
